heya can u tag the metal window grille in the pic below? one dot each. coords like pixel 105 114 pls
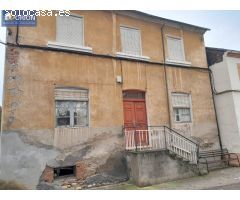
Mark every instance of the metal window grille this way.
pixel 71 107
pixel 181 107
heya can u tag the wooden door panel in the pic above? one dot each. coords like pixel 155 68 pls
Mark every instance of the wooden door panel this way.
pixel 140 115
pixel 129 115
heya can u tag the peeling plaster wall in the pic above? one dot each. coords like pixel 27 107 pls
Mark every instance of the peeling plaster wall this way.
pixel 23 162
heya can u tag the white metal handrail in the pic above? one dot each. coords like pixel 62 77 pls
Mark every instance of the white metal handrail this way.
pixel 157 138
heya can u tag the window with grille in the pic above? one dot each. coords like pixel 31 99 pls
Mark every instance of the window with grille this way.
pixel 181 107
pixel 175 49
pixel 131 41
pixel 70 30
pixel 71 107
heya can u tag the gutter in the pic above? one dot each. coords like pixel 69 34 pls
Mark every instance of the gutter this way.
pixel 214 106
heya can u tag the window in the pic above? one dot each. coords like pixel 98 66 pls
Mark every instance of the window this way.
pixel 70 34
pixel 133 95
pixel 175 49
pixel 181 107
pixel 131 41
pixel 70 30
pixel 71 107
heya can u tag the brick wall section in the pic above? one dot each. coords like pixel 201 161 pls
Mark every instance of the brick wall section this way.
pixel 234 163
pixel 81 170
pixel 48 174
pixel 12 55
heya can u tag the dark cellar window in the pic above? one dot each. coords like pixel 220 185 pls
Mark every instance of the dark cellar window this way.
pixel 64 171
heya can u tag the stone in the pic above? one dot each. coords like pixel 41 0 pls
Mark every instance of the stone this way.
pixel 74 184
pixel 47 186
pixel 65 187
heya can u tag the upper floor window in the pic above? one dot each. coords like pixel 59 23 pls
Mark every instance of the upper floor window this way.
pixel 70 34
pixel 71 107
pixel 70 30
pixel 181 107
pixel 175 49
pixel 131 41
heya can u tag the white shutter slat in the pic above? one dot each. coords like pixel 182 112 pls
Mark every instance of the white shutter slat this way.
pixel 71 94
pixel 70 30
pixel 181 100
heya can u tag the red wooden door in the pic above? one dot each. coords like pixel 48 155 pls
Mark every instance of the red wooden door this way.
pixel 129 115
pixel 140 115
pixel 135 118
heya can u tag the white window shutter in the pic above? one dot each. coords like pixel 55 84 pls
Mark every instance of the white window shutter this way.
pixel 175 49
pixel 181 100
pixel 71 94
pixel 70 30
pixel 131 41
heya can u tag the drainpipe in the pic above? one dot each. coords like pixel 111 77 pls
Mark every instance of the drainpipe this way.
pixel 214 105
pixel 17 34
pixel 165 75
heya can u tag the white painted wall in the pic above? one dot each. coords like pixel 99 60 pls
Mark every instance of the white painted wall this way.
pixel 226 77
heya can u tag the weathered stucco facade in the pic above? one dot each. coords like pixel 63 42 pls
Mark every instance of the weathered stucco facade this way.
pixel 33 71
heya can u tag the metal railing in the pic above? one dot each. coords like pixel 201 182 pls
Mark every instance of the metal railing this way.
pixel 161 138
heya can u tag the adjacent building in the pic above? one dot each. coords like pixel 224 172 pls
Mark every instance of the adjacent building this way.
pixel 72 83
pixel 225 67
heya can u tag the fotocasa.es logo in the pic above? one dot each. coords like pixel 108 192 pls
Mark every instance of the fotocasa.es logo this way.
pixel 19 18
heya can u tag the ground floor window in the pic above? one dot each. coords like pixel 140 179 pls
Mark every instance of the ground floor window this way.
pixel 71 107
pixel 181 103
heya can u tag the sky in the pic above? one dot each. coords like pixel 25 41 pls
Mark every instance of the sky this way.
pixel 224 33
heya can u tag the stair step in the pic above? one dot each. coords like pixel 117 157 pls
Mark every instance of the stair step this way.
pixel 179 157
pixel 171 153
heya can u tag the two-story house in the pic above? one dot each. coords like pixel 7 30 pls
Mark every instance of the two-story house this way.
pixel 72 83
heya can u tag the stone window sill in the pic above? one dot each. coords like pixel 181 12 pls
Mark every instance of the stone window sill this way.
pixel 175 62
pixel 130 56
pixel 59 45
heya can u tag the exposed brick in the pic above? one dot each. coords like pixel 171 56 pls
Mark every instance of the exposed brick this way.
pixel 48 174
pixel 12 55
pixel 81 170
pixel 234 163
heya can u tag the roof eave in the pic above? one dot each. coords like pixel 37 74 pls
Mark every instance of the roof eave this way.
pixel 162 20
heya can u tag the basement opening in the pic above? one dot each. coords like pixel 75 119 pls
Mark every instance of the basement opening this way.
pixel 64 171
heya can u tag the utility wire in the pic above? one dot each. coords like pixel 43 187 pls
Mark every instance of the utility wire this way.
pixel 215 92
